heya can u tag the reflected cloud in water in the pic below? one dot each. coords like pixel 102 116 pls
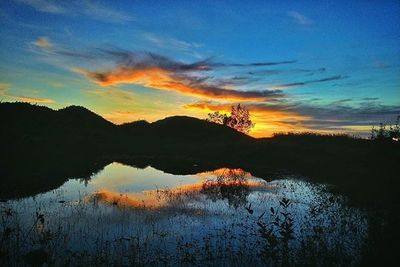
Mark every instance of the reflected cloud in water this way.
pixel 231 185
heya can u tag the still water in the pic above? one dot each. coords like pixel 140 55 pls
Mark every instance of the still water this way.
pixel 128 216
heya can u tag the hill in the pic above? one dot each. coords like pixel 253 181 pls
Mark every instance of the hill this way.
pixel 29 127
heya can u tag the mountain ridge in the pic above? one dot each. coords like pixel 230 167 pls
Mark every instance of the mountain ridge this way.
pixel 28 125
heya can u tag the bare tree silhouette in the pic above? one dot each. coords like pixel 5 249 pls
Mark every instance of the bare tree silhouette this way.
pixel 239 119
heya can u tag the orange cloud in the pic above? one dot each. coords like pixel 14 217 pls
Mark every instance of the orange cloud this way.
pixel 158 78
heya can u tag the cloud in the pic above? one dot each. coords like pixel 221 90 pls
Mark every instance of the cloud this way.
pixel 370 98
pixel 171 43
pixel 34 99
pixel 43 42
pixel 43 6
pixel 148 59
pixel 114 94
pixel 342 101
pixel 288 71
pixel 94 10
pixel 300 18
pixel 328 79
pixel 257 64
pixel 199 78
pixel 90 9
pixel 162 79
pixel 338 117
pixel 4 88
pixel 159 72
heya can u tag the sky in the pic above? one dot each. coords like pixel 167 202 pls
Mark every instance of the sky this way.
pixel 298 66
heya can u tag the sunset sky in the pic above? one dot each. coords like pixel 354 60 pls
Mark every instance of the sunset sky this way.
pixel 326 66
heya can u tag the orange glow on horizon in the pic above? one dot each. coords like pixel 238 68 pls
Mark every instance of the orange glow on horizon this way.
pixel 267 121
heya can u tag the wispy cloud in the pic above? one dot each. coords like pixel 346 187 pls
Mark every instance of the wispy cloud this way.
pixel 114 94
pixel 171 43
pixel 370 98
pixel 90 9
pixel 31 99
pixel 300 18
pixel 96 11
pixel 43 42
pixel 327 79
pixel 44 6
pixel 4 88
pixel 287 71
pixel 257 64
pixel 4 91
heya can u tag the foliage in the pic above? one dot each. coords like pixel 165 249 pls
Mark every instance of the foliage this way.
pixel 387 132
pixel 218 117
pixel 239 119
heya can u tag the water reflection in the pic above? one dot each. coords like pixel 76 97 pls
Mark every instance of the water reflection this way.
pixel 231 185
pixel 129 216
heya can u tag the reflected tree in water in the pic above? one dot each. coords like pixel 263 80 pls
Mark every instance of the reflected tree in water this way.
pixel 230 185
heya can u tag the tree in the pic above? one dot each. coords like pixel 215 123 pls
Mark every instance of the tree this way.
pixel 217 117
pixel 239 119
pixel 384 133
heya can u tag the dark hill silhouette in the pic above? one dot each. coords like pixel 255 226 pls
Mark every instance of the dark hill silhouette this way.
pixel 24 119
pixel 193 129
pixel 183 128
pixel 80 115
pixel 135 124
pixel 30 129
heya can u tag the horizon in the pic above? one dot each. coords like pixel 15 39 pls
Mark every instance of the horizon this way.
pixel 274 134
pixel 298 67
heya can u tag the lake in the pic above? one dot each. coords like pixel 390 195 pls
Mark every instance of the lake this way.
pixel 131 216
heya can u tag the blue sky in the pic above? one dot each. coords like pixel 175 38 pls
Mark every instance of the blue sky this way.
pixel 327 66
